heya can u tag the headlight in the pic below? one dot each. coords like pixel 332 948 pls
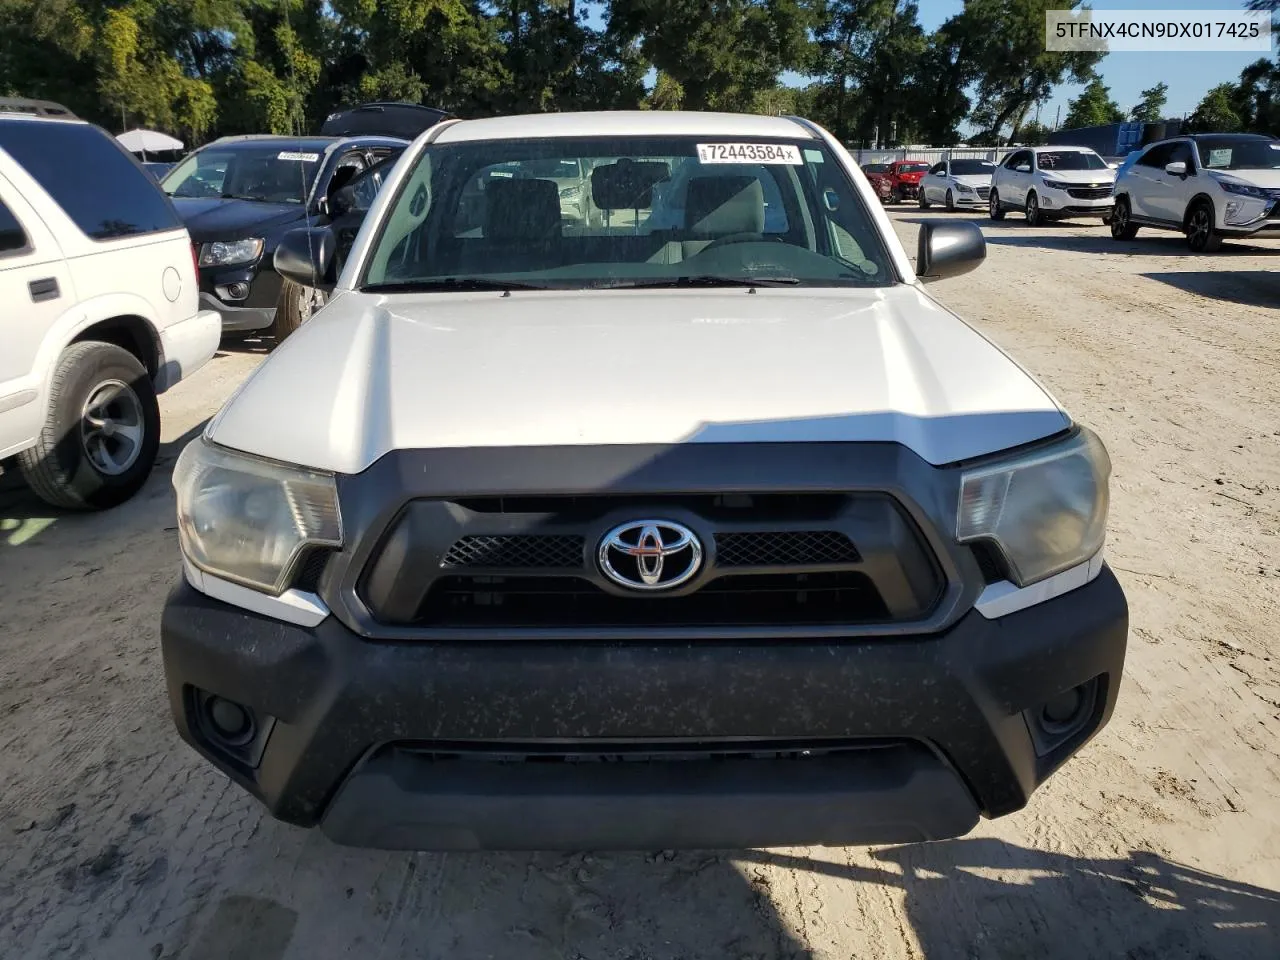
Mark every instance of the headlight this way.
pixel 1046 510
pixel 226 253
pixel 1243 189
pixel 570 193
pixel 963 187
pixel 1054 184
pixel 248 520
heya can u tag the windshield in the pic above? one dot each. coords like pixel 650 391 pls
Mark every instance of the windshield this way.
pixel 248 171
pixel 875 168
pixel 914 168
pixel 1226 154
pixel 972 168
pixel 670 211
pixel 1070 160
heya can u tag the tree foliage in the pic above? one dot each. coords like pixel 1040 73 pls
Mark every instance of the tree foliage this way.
pixel 868 70
pixel 1094 107
pixel 1216 112
pixel 1151 107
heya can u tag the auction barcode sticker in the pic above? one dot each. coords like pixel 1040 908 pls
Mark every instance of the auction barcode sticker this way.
pixel 304 157
pixel 749 153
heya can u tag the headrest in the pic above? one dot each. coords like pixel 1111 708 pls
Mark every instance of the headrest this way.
pixel 627 184
pixel 521 210
pixel 721 205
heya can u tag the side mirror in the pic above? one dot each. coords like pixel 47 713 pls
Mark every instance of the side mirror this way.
pixel 948 249
pixel 1023 168
pixel 306 256
pixel 1176 169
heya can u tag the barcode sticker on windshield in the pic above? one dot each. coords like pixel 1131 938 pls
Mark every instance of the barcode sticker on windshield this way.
pixel 304 157
pixel 749 153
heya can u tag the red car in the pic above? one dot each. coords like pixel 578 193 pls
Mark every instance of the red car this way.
pixel 897 181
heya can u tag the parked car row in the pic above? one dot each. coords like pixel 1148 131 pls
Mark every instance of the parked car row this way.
pixel 1207 186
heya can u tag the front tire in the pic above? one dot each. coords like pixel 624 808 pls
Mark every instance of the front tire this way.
pixel 102 431
pixel 1201 237
pixel 951 202
pixel 1034 217
pixel 1122 225
pixel 994 210
pixel 922 201
pixel 296 305
pixel 895 195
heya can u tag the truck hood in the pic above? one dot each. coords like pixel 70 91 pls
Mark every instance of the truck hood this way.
pixel 209 219
pixel 373 373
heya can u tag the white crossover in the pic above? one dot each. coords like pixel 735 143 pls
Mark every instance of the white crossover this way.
pixel 1209 186
pixel 1051 183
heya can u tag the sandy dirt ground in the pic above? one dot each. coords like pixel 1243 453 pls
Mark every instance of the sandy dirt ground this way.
pixel 1161 840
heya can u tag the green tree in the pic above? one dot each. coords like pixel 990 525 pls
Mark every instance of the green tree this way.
pixel 1094 107
pixel 1256 99
pixel 1216 113
pixel 947 68
pixel 1013 69
pixel 1151 107
pixel 720 52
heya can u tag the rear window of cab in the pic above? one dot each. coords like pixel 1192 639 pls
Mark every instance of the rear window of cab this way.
pixel 95 181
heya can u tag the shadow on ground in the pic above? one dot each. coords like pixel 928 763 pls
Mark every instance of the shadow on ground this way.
pixel 1251 288
pixel 1034 903
pixel 25 519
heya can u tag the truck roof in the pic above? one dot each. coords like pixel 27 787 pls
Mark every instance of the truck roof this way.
pixel 623 123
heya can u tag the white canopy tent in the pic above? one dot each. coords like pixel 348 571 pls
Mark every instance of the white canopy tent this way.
pixel 148 141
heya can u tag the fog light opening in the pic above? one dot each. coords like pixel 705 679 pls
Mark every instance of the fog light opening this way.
pixel 233 291
pixel 229 722
pixel 1063 711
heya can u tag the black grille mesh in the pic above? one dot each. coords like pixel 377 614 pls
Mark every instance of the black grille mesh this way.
pixel 1089 193
pixel 517 552
pixel 784 549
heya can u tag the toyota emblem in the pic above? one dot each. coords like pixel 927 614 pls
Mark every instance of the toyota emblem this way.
pixel 650 554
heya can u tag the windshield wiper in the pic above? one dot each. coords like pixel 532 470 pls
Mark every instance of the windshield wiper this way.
pixel 237 196
pixel 707 280
pixel 462 284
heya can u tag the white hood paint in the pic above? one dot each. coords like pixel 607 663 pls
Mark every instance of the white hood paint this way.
pixel 373 373
pixel 1257 178
pixel 974 179
pixel 1107 176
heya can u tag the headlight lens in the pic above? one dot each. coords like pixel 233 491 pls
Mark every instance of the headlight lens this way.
pixel 1046 511
pixel 963 187
pixel 1243 189
pixel 1054 184
pixel 226 253
pixel 570 193
pixel 246 519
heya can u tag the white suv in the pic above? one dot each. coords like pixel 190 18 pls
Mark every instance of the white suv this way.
pixel 1050 183
pixel 1208 186
pixel 100 314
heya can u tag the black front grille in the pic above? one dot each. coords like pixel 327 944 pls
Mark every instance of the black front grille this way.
pixel 984 192
pixel 729 601
pixel 1089 193
pixel 517 552
pixel 616 750
pixel 800 548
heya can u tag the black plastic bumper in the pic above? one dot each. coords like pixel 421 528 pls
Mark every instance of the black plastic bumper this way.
pixel 436 745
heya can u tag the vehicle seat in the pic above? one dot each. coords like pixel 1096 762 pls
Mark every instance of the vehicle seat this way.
pixel 521 229
pixel 717 207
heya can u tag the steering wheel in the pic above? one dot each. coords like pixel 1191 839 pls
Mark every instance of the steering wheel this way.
pixel 740 238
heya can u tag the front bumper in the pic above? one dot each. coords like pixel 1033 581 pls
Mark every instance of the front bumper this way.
pixel 1068 206
pixel 976 200
pixel 256 311
pixel 437 745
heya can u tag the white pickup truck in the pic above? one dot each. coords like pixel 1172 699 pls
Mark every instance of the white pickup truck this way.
pixel 700 525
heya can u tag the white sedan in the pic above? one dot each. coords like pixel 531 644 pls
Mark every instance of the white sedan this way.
pixel 957 183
